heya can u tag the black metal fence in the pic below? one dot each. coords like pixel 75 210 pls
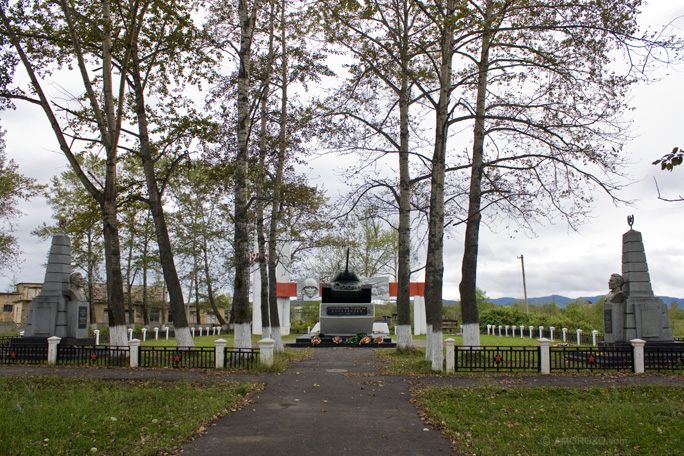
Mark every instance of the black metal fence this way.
pixel 582 358
pixel 499 359
pixel 93 355
pixel 23 354
pixel 114 356
pixel 242 358
pixel 666 358
pixel 182 357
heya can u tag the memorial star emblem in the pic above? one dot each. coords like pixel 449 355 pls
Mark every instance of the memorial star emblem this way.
pixel 13 355
pixel 591 359
pixel 176 359
pixel 93 357
pixel 498 359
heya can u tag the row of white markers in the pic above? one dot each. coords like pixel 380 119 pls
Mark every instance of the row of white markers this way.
pixel 214 330
pixel 504 331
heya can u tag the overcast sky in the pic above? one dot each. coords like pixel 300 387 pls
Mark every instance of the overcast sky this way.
pixel 557 260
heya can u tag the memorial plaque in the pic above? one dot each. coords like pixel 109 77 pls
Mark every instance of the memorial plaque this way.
pixel 82 317
pixel 608 321
pixel 340 311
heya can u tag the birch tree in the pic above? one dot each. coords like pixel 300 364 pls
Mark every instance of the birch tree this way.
pixel 44 38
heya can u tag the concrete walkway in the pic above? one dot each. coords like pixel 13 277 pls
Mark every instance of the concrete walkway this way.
pixel 334 404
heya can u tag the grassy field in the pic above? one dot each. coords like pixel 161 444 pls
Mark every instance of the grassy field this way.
pixel 57 416
pixel 635 420
pixel 485 421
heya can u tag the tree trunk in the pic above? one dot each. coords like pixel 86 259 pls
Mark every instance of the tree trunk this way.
pixel 241 313
pixel 210 288
pixel 276 205
pixel 434 266
pixel 176 301
pixel 468 285
pixel 404 339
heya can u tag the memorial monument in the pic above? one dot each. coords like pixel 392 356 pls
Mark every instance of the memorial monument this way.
pixel 346 307
pixel 631 310
pixel 61 309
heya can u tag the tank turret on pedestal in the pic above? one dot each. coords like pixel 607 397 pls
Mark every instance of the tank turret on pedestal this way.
pixel 346 307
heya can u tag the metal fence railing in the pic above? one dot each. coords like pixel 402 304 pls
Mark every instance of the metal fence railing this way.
pixel 499 359
pixel 566 359
pixel 182 357
pixel 94 355
pixel 242 358
pixel 23 354
pixel 666 358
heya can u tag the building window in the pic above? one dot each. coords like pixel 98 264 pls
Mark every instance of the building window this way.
pixel 154 316
pixel 7 308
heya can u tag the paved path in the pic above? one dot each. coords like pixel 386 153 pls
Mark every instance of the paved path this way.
pixel 334 404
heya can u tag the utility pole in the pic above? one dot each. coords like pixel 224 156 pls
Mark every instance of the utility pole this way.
pixel 522 263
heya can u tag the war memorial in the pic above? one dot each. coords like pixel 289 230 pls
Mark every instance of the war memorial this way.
pixel 631 310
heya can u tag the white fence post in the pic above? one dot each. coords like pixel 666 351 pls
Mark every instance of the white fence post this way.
pixel 551 331
pixel 544 355
pixel 499 330
pixel 220 358
pixel 579 337
pixel 156 333
pixel 489 328
pixel 97 336
pixel 514 326
pixel 541 332
pixel 565 334
pixel 166 329
pixel 266 351
pixel 134 347
pixel 144 333
pixel 594 338
pixel 531 330
pixel 193 332
pixel 450 355
pixel 130 334
pixel 507 330
pixel 53 342
pixel 639 364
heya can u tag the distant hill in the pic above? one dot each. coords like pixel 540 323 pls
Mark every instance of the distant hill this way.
pixel 562 301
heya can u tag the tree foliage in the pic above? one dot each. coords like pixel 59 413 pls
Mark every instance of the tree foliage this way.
pixel 15 188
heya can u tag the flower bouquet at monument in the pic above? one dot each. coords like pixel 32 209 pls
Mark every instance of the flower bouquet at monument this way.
pixel 316 339
pixel 337 340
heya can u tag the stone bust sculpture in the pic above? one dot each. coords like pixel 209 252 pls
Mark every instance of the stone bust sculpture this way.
pixel 310 289
pixel 615 284
pixel 77 282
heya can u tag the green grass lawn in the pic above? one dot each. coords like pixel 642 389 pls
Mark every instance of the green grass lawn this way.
pixel 57 416
pixel 635 420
